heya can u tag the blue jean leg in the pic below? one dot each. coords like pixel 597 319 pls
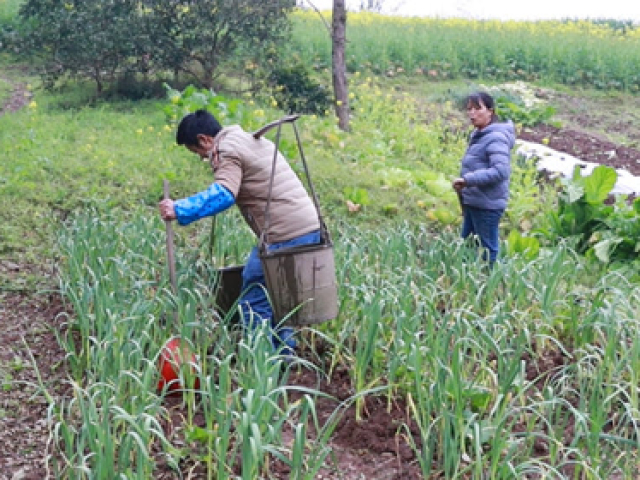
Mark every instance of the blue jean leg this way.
pixel 254 301
pixel 485 224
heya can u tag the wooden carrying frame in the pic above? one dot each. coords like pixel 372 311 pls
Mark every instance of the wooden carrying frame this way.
pixel 301 280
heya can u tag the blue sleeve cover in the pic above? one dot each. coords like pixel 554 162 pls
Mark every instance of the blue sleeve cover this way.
pixel 211 201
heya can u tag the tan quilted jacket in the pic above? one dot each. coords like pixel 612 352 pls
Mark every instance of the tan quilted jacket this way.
pixel 245 170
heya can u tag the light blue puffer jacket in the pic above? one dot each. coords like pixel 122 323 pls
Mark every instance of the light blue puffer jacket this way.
pixel 486 166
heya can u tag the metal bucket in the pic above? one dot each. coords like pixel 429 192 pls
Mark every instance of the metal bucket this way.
pixel 302 283
pixel 228 289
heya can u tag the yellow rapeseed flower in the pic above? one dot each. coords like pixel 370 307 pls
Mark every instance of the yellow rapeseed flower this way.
pixel 33 105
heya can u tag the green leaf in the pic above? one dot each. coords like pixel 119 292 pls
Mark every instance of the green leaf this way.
pixel 528 247
pixel 599 184
pixel 605 248
pixel 438 187
pixel 396 177
pixel 359 196
pixel 198 434
pixel 574 192
pixel 577 174
pixel 480 399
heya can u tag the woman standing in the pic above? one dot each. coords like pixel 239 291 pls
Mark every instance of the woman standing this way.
pixel 483 184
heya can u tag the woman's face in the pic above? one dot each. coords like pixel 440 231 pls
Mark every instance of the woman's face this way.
pixel 479 115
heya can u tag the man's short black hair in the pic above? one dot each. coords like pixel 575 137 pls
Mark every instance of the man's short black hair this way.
pixel 200 122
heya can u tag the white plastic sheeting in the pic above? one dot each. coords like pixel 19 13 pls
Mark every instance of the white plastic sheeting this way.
pixel 553 161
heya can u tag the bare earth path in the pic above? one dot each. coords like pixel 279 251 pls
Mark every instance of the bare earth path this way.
pixel 19 97
pixel 29 319
pixel 27 323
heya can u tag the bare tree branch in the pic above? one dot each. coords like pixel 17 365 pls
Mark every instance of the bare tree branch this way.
pixel 326 24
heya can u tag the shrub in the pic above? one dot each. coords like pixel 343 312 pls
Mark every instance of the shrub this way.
pixel 198 37
pixel 96 39
pixel 105 40
pixel 296 92
pixel 136 87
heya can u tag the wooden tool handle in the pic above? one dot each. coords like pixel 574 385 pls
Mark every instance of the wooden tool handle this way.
pixel 170 251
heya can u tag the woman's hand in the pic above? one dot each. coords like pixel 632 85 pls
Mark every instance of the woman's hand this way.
pixel 167 209
pixel 458 184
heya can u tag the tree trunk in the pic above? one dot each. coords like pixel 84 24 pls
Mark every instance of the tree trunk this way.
pixel 339 66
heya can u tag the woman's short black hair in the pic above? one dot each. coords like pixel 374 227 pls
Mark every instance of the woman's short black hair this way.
pixel 200 122
pixel 481 98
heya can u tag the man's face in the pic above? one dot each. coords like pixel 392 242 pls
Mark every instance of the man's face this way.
pixel 200 151
pixel 204 149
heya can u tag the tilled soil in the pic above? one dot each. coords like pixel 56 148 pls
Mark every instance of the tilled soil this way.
pixel 585 147
pixel 376 448
pixel 27 337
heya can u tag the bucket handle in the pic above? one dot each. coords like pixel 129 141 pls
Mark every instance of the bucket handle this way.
pixel 276 123
pixel 324 233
